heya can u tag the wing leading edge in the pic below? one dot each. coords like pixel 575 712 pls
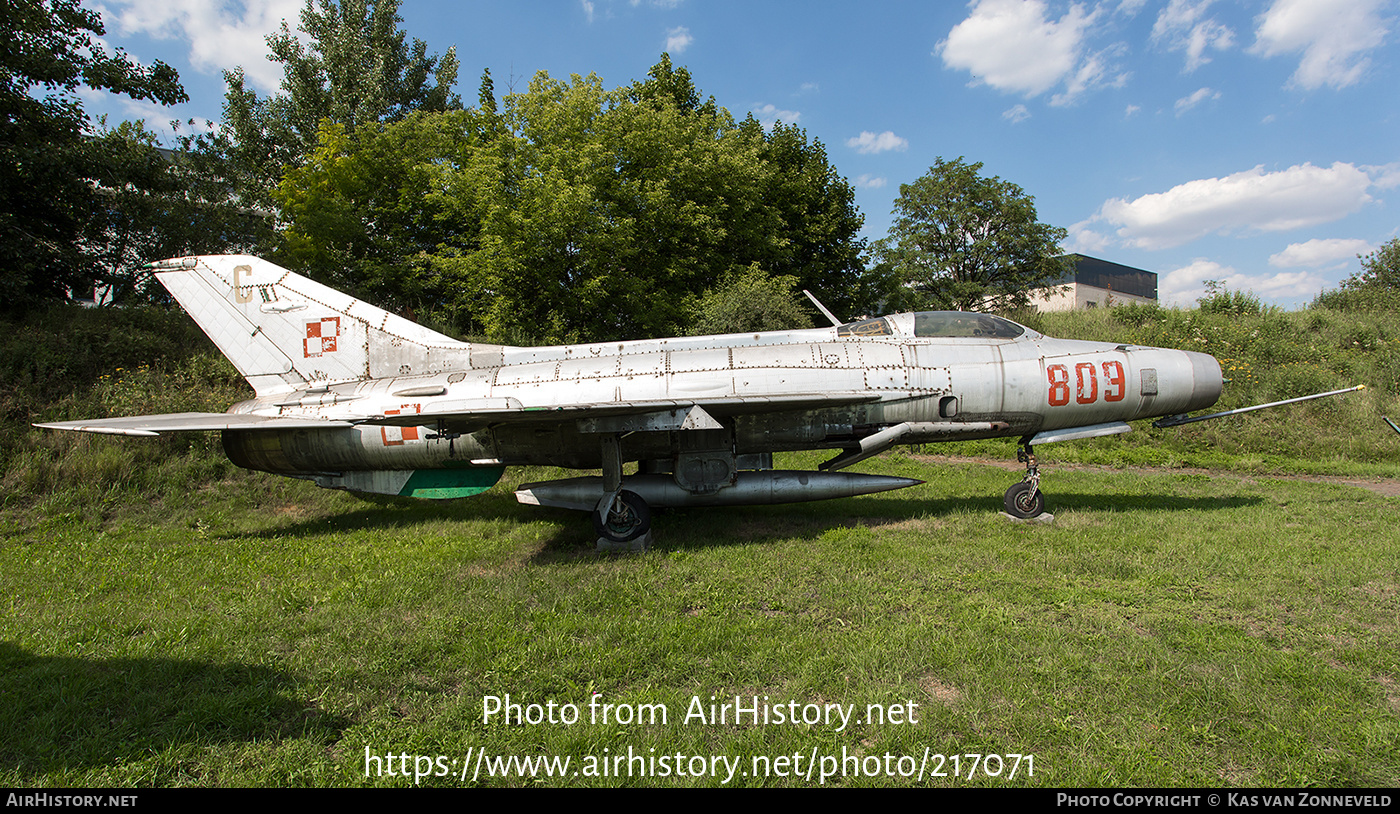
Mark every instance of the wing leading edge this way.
pixel 490 411
pixel 149 425
pixel 473 412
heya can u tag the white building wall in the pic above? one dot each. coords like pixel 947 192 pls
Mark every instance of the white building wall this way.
pixel 1076 295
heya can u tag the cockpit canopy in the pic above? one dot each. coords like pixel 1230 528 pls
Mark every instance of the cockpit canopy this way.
pixel 941 324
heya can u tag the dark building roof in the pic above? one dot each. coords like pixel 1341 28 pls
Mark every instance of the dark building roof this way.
pixel 1111 276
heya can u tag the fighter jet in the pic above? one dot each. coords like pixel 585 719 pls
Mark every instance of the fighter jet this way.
pixel 352 397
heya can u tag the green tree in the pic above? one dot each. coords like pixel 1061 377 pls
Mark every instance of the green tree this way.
pixel 572 212
pixel 1220 300
pixel 366 210
pixel 155 203
pixel 356 70
pixel 752 300
pixel 47 198
pixel 1379 270
pixel 618 210
pixel 966 242
pixel 1376 287
pixel 817 220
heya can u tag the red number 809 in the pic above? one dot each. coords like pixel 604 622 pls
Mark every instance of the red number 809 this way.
pixel 1086 383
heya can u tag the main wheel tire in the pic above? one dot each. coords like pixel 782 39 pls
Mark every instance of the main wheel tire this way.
pixel 1019 501
pixel 629 519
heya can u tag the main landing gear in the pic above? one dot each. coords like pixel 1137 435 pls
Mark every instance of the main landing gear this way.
pixel 625 518
pixel 621 516
pixel 1025 498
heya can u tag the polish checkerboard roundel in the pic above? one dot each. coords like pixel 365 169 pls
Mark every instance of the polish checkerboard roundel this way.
pixel 321 336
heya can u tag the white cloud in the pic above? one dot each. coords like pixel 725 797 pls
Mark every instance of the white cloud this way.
pixel 870 182
pixel 1252 200
pixel 868 142
pixel 1333 40
pixel 1185 285
pixel 221 36
pixel 1187 102
pixel 1016 115
pixel 1083 239
pixel 770 115
pixel 1092 73
pixel 1383 176
pixel 1183 26
pixel 1130 110
pixel 678 39
pixel 1012 46
pixel 587 9
pixel 809 87
pixel 1317 253
pixel 154 116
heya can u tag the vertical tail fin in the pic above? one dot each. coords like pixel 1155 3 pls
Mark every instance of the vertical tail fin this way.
pixel 283 331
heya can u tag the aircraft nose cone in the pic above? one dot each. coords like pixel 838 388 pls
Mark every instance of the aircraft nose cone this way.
pixel 1206 380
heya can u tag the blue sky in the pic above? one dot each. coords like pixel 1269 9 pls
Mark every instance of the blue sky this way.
pixel 1253 142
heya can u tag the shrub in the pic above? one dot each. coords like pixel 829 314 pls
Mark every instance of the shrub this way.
pixel 1136 313
pixel 1219 300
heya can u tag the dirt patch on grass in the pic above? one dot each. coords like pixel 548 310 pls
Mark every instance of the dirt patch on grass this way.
pixel 909 524
pixel 1392 691
pixel 1380 590
pixel 766 528
pixel 797 526
pixel 1382 486
pixel 945 694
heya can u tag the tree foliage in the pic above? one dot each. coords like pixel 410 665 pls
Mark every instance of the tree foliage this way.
pixel 1376 287
pixel 355 69
pixel 48 203
pixel 572 212
pixel 366 211
pixel 752 300
pixel 156 203
pixel 967 242
pixel 1220 300
pixel 1380 269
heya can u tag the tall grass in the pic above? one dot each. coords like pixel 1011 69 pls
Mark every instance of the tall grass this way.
pixel 1169 629
pixel 1267 354
pixel 69 363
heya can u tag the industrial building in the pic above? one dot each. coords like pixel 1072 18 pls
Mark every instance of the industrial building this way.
pixel 1096 283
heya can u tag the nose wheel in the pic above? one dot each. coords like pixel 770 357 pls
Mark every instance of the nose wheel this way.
pixel 1025 499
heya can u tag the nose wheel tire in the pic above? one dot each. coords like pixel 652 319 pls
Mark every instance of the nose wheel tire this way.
pixel 1023 500
pixel 628 519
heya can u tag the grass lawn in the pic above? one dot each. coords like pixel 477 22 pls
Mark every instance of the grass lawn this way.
pixel 1168 629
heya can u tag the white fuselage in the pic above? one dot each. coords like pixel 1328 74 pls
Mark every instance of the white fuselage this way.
pixel 766 387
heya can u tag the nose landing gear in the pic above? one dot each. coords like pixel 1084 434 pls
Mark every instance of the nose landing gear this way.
pixel 1025 499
